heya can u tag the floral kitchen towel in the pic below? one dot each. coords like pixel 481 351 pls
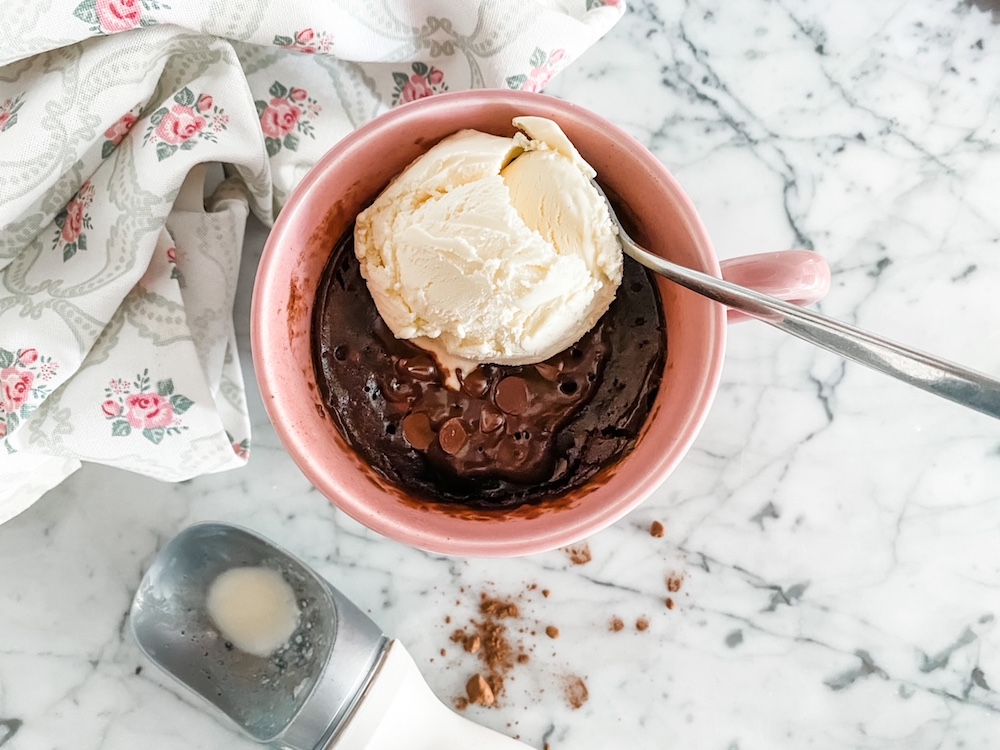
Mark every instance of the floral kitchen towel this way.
pixel 116 275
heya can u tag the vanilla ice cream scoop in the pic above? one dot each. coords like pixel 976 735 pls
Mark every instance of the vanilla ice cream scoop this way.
pixel 492 249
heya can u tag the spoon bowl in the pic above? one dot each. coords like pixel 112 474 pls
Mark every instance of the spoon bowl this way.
pixel 296 696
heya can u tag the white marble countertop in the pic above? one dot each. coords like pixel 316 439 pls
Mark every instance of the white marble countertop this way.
pixel 835 533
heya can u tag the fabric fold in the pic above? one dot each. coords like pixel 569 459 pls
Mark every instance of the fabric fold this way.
pixel 116 284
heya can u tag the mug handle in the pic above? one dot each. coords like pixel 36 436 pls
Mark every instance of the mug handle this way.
pixel 798 276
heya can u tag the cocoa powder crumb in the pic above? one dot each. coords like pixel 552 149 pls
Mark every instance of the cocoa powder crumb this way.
pixel 670 603
pixel 642 624
pixel 545 593
pixel 479 691
pixel 488 639
pixel 461 703
pixel 617 624
pixel 443 652
pixel 447 619
pixel 576 692
pixel 498 608
pixel 579 555
pixel 552 631
pixel 656 529
pixel 674 583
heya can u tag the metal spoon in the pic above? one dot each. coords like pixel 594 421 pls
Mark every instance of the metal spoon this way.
pixel 338 683
pixel 938 376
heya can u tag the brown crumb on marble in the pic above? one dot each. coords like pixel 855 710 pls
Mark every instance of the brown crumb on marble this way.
pixel 443 652
pixel 545 593
pixel 674 583
pixel 642 624
pixel 617 624
pixel 552 631
pixel 579 555
pixel 656 529
pixel 461 703
pixel 479 691
pixel 488 638
pixel 498 608
pixel 447 619
pixel 670 603
pixel 575 691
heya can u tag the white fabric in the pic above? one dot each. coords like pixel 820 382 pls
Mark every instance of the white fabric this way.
pixel 116 286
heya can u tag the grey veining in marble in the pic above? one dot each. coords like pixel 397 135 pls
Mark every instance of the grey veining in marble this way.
pixel 835 533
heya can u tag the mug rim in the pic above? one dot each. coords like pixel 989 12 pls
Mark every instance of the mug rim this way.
pixel 469 540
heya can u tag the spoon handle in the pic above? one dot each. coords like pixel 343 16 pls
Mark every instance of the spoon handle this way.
pixel 938 376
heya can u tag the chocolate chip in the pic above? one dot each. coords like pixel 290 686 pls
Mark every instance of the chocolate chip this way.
pixel 418 431
pixel 476 384
pixel 547 371
pixel 512 395
pixel 490 419
pixel 452 436
pixel 420 367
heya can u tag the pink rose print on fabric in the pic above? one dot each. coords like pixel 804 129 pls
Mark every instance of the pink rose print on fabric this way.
pixel 8 112
pixel 307 41
pixel 116 16
pixel 423 81
pixel 543 67
pixel 287 115
pixel 116 133
pixel 240 447
pixel 147 411
pixel 133 406
pixel 73 221
pixel 188 119
pixel 179 124
pixel 175 271
pixel 15 387
pixel 24 378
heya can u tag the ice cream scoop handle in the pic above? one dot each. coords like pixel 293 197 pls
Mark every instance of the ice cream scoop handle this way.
pixel 398 710
pixel 938 376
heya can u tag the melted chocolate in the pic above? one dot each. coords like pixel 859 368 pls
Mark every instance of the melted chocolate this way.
pixel 511 434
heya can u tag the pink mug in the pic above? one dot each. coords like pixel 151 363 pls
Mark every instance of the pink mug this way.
pixel 348 178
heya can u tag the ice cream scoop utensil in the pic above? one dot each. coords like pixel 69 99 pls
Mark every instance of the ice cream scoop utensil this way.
pixel 938 376
pixel 337 684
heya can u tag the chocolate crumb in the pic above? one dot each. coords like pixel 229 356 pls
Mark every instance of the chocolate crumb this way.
pixel 674 584
pixel 642 624
pixel 443 652
pixel 488 638
pixel 576 692
pixel 579 555
pixel 498 608
pixel 447 619
pixel 552 631
pixel 545 593
pixel 479 691
pixel 670 603
pixel 461 703
pixel 617 624
pixel 656 529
